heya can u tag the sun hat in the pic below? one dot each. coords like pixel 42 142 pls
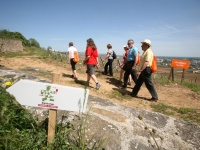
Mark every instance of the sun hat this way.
pixel 126 46
pixel 147 41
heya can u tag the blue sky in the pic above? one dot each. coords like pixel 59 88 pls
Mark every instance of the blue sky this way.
pixel 173 26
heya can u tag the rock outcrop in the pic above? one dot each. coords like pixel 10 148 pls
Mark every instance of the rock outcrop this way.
pixel 120 124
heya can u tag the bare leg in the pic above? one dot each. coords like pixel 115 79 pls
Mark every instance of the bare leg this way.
pixel 129 79
pixel 94 78
pixel 88 78
pixel 74 73
pixel 121 74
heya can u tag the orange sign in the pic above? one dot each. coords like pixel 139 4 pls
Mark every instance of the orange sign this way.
pixel 180 63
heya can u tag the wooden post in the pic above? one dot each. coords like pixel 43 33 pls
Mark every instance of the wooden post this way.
pixel 183 74
pixel 172 74
pixel 52 114
pixel 196 80
pixel 102 62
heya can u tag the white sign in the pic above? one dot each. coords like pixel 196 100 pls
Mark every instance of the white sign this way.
pixel 51 96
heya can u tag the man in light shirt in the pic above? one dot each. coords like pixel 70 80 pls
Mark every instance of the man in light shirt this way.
pixel 70 53
pixel 144 74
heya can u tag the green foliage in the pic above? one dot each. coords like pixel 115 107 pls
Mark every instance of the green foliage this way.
pixel 187 114
pixel 194 87
pixel 5 34
pixel 34 43
pixel 49 48
pixel 19 130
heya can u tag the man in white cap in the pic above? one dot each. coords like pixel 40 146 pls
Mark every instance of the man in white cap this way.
pixel 144 74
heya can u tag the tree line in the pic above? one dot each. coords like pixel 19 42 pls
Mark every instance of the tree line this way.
pixel 6 34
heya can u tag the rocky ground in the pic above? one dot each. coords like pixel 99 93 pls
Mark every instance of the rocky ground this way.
pixel 120 124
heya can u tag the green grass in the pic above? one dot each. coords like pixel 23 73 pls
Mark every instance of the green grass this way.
pixel 164 80
pixel 20 130
pixel 187 114
pixel 118 95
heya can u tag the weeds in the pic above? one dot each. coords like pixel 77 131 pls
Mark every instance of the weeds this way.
pixel 19 130
pixel 187 114
pixel 153 135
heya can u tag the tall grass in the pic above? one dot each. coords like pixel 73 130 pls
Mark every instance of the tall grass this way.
pixel 20 130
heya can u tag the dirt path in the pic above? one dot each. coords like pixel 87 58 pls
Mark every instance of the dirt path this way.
pixel 174 95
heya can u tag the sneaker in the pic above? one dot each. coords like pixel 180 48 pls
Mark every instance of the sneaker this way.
pixel 98 85
pixel 152 99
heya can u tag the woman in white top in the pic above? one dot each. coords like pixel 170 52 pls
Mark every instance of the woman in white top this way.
pixel 70 53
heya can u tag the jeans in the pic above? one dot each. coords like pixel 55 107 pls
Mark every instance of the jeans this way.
pixel 109 63
pixel 129 71
pixel 145 77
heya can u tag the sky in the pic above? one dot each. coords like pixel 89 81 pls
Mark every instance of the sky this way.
pixel 173 26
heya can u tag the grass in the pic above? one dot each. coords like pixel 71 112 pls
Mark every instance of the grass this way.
pixel 187 114
pixel 20 130
pixel 119 95
pixel 164 80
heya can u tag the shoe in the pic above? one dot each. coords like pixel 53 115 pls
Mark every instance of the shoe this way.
pixel 104 73
pixel 129 83
pixel 152 99
pixel 72 76
pixel 98 85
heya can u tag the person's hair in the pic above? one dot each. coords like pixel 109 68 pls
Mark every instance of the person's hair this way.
pixel 91 43
pixel 109 46
pixel 71 44
pixel 130 40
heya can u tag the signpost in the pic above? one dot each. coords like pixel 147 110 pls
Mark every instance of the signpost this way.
pixel 184 64
pixel 51 96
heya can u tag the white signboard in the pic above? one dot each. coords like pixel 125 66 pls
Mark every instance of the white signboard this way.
pixel 51 96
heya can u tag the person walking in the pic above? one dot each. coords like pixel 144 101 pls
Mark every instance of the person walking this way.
pixel 131 65
pixel 110 59
pixel 123 66
pixel 70 54
pixel 144 74
pixel 91 60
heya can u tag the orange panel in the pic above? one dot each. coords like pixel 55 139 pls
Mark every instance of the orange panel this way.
pixel 180 63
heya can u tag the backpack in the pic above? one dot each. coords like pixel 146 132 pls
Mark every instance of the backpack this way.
pixel 76 57
pixel 154 65
pixel 114 55
pixel 138 61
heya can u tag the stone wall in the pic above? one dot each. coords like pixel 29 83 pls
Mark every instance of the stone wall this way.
pixel 7 45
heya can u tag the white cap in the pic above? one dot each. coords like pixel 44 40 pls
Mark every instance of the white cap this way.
pixel 147 41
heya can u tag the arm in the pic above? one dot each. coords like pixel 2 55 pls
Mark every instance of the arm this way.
pixel 107 56
pixel 136 59
pixel 98 66
pixel 142 68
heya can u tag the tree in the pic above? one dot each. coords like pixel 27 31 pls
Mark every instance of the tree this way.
pixel 49 48
pixel 34 43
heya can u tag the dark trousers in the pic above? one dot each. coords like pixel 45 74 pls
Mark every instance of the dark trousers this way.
pixel 128 72
pixel 73 64
pixel 109 63
pixel 145 77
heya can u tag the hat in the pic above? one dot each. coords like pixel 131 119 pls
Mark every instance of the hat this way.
pixel 125 46
pixel 147 41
